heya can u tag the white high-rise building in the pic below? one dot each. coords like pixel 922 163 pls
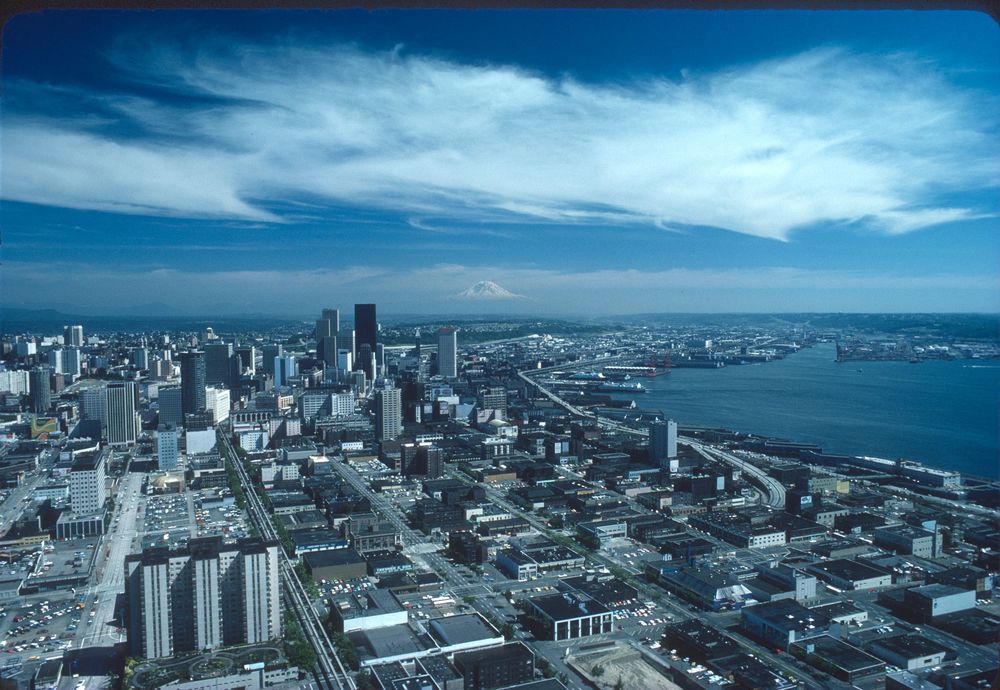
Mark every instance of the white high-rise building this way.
pixel 15 382
pixel 123 417
pixel 388 413
pixel 663 444
pixel 217 400
pixel 87 491
pixel 56 360
pixel 448 353
pixel 202 596
pixel 166 446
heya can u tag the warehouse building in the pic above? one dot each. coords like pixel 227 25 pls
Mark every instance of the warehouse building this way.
pixel 340 564
pixel 930 601
pixel 911 652
pixel 852 575
pixel 781 623
pixel 841 660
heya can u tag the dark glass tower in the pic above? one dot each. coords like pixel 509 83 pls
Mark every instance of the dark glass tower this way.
pixel 192 381
pixel 365 333
pixel 40 389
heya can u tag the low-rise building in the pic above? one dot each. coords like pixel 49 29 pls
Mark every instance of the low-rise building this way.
pixel 498 667
pixel 930 601
pixel 849 574
pixel 568 617
pixel 780 623
pixel 911 652
pixel 369 610
pixel 841 660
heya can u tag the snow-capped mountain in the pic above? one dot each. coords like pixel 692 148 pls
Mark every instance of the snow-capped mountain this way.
pixel 487 289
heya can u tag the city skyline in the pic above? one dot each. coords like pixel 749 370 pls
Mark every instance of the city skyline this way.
pixel 275 162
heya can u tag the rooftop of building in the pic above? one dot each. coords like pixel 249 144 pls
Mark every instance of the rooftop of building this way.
pixel 788 614
pixel 511 650
pixel 609 590
pixel 848 569
pixel 315 537
pixel 565 606
pixel 390 641
pixel 911 645
pixel 937 590
pixel 461 629
pixel 322 559
pixel 840 654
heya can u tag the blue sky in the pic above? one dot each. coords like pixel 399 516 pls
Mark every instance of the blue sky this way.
pixel 588 161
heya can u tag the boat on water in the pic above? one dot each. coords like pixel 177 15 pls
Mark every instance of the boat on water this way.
pixel 621 387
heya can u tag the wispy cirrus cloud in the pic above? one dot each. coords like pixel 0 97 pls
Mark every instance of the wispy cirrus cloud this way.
pixel 886 142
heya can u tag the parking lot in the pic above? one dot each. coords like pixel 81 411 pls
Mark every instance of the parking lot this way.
pixel 40 628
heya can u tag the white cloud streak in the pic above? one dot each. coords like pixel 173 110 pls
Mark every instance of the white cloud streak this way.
pixel 762 149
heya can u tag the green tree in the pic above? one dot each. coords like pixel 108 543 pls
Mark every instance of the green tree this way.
pixel 597 671
pixel 345 650
pixel 364 681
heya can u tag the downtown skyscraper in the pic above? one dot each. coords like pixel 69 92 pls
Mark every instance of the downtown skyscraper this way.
pixel 365 338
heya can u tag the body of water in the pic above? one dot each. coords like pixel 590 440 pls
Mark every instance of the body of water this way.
pixel 942 413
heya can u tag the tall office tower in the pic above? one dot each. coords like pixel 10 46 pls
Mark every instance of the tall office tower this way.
pixel 73 335
pixel 140 358
pixel 494 398
pixel 166 446
pixel 365 361
pixel 73 361
pixel 94 406
pixel 663 444
pixel 388 413
pixel 217 356
pixel 192 381
pixel 171 405
pixel 448 352
pixel 41 392
pixel 248 357
pixel 380 360
pixel 357 380
pixel 217 400
pixel 123 418
pixel 87 492
pixel 326 351
pixel 235 380
pixel 272 352
pixel 345 360
pixel 347 341
pixel 434 463
pixel 284 369
pixel 333 316
pixel 57 360
pixel 202 596
pixel 365 328
pixel 327 326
